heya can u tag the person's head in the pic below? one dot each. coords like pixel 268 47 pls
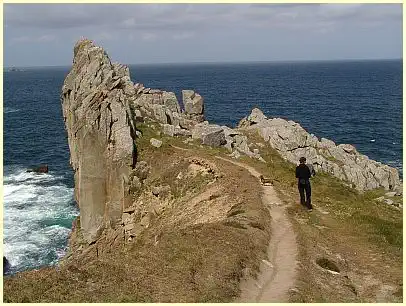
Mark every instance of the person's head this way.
pixel 302 160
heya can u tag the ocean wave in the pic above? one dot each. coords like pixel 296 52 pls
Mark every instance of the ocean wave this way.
pixel 38 214
pixel 7 110
pixel 21 175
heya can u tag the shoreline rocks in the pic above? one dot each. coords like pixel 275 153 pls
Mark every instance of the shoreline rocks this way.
pixel 342 161
pixel 6 265
pixel 39 169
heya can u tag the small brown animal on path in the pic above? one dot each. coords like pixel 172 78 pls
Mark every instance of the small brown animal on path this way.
pixel 265 181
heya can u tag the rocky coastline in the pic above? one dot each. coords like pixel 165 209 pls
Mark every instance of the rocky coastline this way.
pixel 102 107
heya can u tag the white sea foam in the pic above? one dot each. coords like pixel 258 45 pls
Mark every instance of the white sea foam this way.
pixel 37 218
pixel 7 110
pixel 21 175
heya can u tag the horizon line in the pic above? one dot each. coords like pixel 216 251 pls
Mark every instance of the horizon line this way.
pixel 231 62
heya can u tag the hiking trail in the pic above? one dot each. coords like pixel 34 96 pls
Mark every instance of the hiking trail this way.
pixel 277 274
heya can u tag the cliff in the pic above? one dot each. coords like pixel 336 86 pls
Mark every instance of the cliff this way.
pixel 101 107
pixel 101 133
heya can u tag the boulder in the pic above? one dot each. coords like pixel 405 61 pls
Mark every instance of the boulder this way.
pixel 138 116
pixel 160 113
pixel 398 189
pixel 388 201
pixel 169 130
pixel 174 118
pixel 155 143
pixel 6 265
pixel 39 169
pixel 182 132
pixel 210 134
pixel 155 91
pixel 213 135
pixel 193 102
pixel 235 155
pixel 170 101
pixel 256 116
pixel 241 144
pixel 198 129
pixel 187 123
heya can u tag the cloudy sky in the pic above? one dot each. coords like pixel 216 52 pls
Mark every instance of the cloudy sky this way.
pixel 44 34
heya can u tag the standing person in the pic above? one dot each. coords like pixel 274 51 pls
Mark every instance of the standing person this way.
pixel 303 175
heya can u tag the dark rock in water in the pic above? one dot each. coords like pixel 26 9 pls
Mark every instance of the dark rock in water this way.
pixel 39 169
pixel 6 265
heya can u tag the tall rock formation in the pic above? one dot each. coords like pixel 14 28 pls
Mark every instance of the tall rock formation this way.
pixel 96 96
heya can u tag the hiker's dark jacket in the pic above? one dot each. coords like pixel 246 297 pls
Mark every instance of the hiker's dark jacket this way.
pixel 303 173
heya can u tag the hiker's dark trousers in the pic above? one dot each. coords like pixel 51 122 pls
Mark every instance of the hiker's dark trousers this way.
pixel 302 189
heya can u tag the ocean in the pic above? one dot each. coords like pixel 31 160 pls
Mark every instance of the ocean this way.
pixel 356 102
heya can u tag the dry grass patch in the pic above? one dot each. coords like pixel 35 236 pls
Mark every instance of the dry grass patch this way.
pixel 215 231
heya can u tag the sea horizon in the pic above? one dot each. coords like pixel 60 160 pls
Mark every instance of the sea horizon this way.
pixel 244 62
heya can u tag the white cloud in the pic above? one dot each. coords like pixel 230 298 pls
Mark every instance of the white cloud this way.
pixel 245 30
pixel 199 17
pixel 182 36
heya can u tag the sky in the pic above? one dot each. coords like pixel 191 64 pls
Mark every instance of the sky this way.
pixel 44 34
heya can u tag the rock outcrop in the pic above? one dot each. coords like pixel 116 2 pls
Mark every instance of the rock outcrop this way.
pixel 210 134
pixel 6 265
pixel 342 161
pixel 39 169
pixel 163 107
pixel 96 97
pixel 101 107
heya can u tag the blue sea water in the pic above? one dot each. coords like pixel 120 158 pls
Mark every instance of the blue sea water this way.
pixel 357 102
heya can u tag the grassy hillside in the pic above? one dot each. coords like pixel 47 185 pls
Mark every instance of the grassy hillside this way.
pixel 359 234
pixel 211 230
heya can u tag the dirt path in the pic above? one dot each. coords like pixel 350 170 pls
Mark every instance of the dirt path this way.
pixel 277 275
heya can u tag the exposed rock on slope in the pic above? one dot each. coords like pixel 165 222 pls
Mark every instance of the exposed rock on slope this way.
pixel 101 107
pixel 101 133
pixel 163 107
pixel 342 161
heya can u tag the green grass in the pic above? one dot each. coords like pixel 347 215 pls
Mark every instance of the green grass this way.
pixel 379 230
pixel 376 222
